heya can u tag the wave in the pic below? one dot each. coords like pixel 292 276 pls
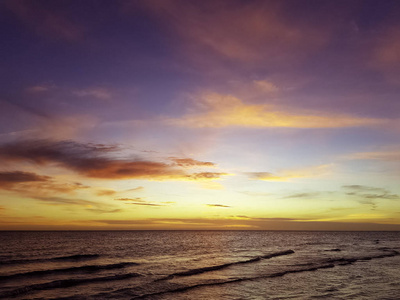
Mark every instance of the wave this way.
pixel 273 275
pixel 223 266
pixel 90 268
pixel 64 284
pixel 348 261
pixel 76 257
pixel 331 263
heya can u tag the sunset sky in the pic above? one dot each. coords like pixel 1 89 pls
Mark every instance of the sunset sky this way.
pixel 275 115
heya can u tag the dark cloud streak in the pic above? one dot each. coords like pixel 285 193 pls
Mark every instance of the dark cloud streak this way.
pixel 96 161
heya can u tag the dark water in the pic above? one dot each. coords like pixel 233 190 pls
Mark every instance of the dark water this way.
pixel 200 265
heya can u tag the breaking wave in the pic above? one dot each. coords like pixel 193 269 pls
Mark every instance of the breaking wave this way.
pixel 76 257
pixel 89 269
pixel 223 266
pixel 330 263
pixel 64 284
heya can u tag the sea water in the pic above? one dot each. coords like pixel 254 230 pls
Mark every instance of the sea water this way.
pixel 199 265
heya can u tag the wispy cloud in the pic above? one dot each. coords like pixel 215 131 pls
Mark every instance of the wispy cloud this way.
pixel 354 222
pixel 96 161
pixel 99 93
pixel 77 203
pixel 40 88
pixel 383 155
pixel 266 86
pixel 369 192
pixel 190 162
pixel 104 211
pixel 44 21
pixel 286 175
pixel 108 192
pixel 136 189
pixel 142 202
pixel 9 179
pixel 303 195
pixel 29 183
pixel 245 32
pixel 218 205
pixel 216 111
pixel 66 201
pixel 145 204
pixel 385 53
pixel 136 199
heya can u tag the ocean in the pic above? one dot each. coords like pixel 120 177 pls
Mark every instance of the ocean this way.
pixel 199 265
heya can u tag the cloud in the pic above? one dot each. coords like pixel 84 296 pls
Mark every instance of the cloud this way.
pixel 104 211
pixel 385 54
pixel 37 123
pixel 145 204
pixel 369 193
pixel 190 162
pixel 99 93
pixel 238 31
pixel 286 175
pixel 40 88
pixel 217 111
pixel 45 21
pixel 388 155
pixel 43 188
pixel 108 192
pixel 303 195
pixel 244 222
pixel 141 201
pixel 205 175
pixel 33 185
pixel 95 161
pixel 266 86
pixel 66 201
pixel 9 179
pixel 218 205
pixel 137 199
pixel 362 188
pixel 92 206
pixel 139 188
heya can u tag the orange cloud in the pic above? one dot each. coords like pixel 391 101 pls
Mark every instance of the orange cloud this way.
pixel 94 160
pixel 217 111
pixel 140 201
pixel 35 186
pixel 137 199
pixel 106 192
pixel 190 162
pixel 9 179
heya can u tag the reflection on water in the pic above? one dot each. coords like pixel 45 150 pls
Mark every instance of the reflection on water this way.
pixel 200 265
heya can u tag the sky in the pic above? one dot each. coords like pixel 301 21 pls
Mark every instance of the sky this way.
pixel 216 115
